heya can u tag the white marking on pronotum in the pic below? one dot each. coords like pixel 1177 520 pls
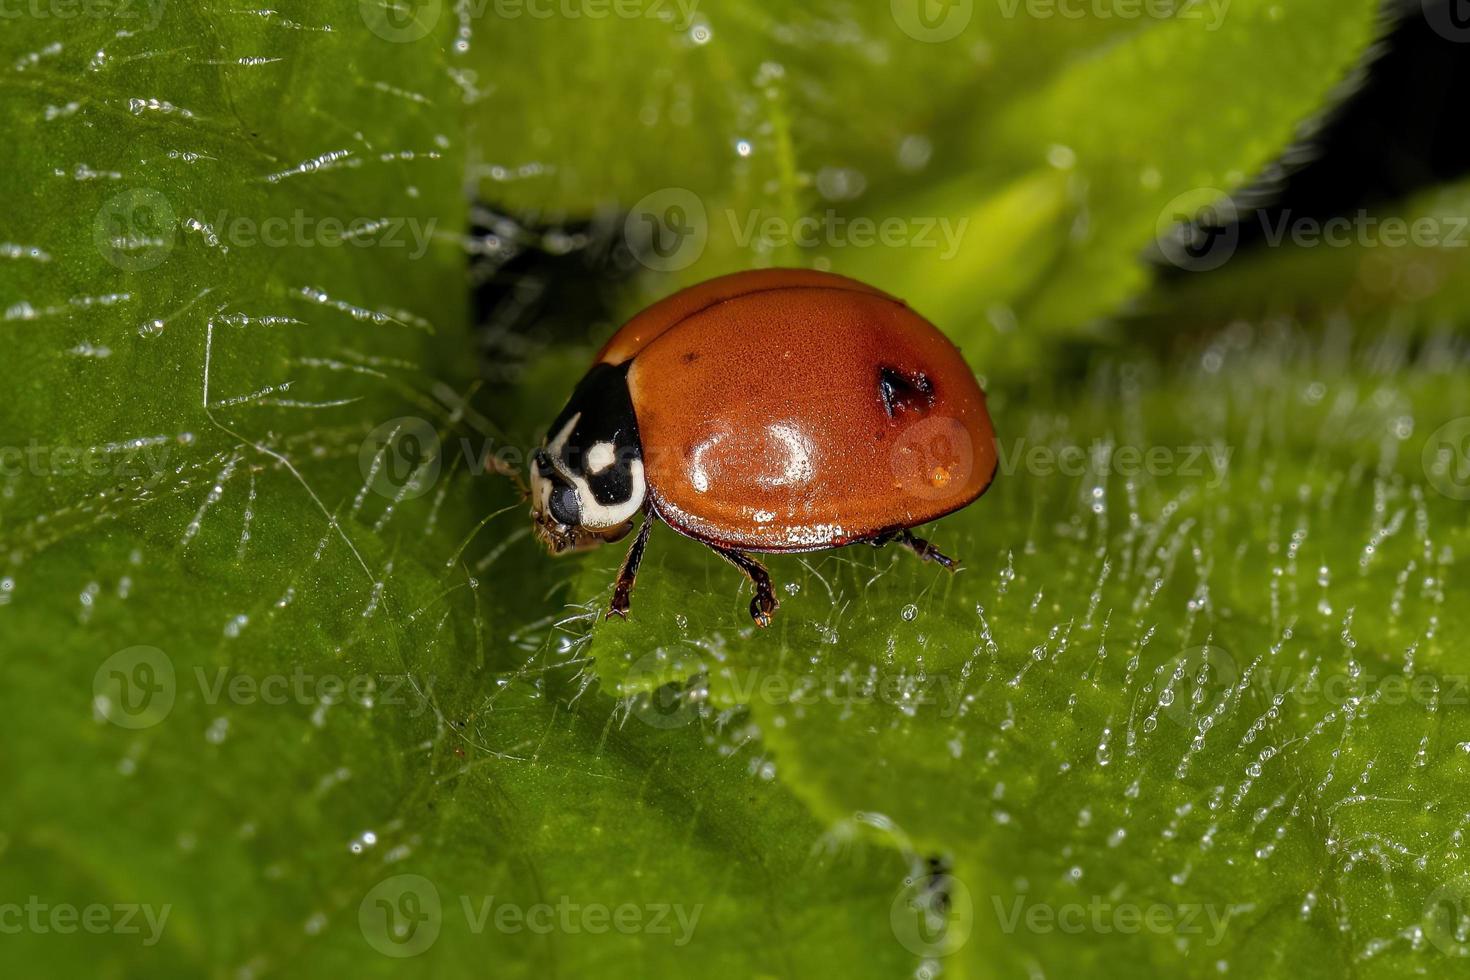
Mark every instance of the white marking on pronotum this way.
pixel 595 516
pixel 600 457
pixel 559 442
pixel 599 516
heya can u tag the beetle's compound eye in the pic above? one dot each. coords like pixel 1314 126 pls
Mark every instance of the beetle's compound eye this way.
pixel 564 506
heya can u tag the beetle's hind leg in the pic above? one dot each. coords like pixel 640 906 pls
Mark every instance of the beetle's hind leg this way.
pixel 918 546
pixel 628 573
pixel 764 605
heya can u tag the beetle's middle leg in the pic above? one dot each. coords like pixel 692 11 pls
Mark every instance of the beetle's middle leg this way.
pixel 764 605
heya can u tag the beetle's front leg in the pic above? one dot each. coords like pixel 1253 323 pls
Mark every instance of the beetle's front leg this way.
pixel 628 573
pixel 764 605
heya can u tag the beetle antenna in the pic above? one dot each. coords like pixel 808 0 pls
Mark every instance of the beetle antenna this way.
pixel 462 412
pixel 500 466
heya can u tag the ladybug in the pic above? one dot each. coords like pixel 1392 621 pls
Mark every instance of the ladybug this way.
pixel 771 411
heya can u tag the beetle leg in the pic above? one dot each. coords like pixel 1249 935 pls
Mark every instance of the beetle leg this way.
pixel 628 573
pixel 764 604
pixel 925 550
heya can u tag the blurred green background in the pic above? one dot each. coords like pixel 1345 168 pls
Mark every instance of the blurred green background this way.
pixel 286 687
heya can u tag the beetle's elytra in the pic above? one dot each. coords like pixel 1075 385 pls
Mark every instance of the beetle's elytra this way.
pixel 778 410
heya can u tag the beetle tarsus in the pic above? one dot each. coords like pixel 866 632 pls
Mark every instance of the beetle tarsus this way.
pixel 761 609
pixel 628 573
pixel 918 546
pixel 765 604
pixel 927 551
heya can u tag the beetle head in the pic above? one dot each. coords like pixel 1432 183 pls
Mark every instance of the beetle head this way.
pixel 587 480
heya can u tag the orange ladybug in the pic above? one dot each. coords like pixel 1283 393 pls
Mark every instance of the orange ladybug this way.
pixel 778 410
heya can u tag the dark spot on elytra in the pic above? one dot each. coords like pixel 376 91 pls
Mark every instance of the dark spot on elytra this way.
pixel 903 393
pixel 690 357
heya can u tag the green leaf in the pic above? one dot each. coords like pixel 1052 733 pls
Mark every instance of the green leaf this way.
pixel 262 657
pixel 1201 658
pixel 1136 132
pixel 1041 153
pixel 1047 152
pixel 287 683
